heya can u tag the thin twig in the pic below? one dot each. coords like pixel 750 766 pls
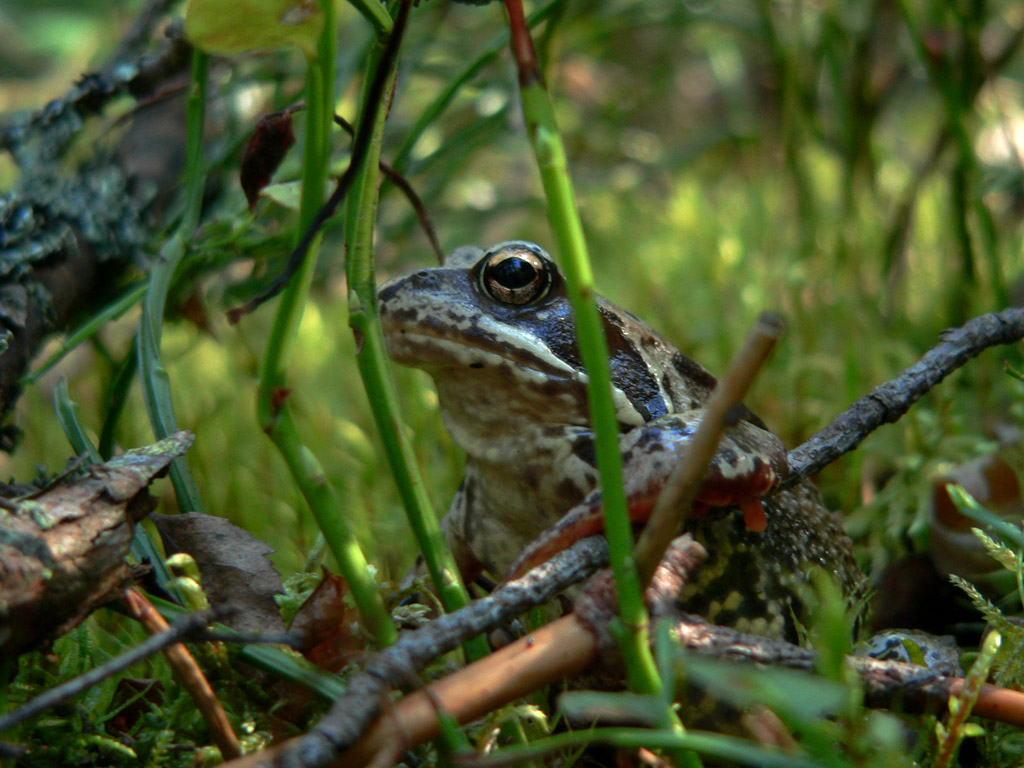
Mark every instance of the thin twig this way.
pixel 181 629
pixel 886 403
pixel 406 189
pixel 568 645
pixel 93 91
pixel 360 146
pixel 190 675
pixel 677 496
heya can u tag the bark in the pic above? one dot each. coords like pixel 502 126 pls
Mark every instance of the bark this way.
pixel 65 236
pixel 62 549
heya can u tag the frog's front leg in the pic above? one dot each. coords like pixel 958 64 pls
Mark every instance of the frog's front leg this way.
pixel 480 537
pixel 454 526
pixel 750 462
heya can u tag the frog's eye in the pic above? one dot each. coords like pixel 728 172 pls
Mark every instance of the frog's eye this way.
pixel 516 276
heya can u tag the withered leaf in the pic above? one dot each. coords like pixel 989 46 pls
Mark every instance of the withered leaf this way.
pixel 233 565
pixel 328 625
pixel 264 152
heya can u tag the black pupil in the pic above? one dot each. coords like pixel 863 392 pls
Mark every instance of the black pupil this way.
pixel 513 273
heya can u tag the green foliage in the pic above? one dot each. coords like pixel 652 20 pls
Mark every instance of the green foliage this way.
pixel 1003 651
pixel 91 729
pixel 251 25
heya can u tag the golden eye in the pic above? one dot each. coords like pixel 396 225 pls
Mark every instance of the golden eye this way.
pixel 515 275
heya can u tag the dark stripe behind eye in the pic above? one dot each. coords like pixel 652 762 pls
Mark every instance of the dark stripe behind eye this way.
pixel 630 372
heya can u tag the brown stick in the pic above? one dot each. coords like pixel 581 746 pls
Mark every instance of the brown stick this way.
pixel 677 497
pixel 191 676
pixel 554 651
pixel 565 647
pixel 886 403
pixel 569 645
pixel 522 44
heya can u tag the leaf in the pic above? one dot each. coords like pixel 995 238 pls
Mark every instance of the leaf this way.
pixel 615 708
pixel 229 27
pixel 286 194
pixel 234 567
pixel 264 152
pixel 328 624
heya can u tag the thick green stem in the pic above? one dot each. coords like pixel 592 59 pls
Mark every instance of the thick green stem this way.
pixel 547 146
pixel 563 214
pixel 273 410
pixel 376 374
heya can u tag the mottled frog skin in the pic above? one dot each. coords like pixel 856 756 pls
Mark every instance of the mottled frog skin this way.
pixel 495 331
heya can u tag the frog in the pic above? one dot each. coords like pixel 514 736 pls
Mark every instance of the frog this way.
pixel 495 330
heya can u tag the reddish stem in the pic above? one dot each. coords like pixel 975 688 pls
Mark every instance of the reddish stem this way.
pixel 522 44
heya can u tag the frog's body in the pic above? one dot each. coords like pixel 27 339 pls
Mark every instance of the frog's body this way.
pixel 495 331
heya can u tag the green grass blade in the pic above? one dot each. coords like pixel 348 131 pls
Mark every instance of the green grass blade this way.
pixel 280 662
pixel 116 399
pixel 112 311
pixel 67 415
pixel 156 386
pixel 717 745
pixel 142 549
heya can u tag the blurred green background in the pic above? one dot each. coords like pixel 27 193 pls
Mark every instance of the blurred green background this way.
pixel 855 166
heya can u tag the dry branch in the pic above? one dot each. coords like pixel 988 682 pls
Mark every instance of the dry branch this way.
pixel 885 404
pixel 397 666
pixel 568 646
pixel 676 498
pixel 184 627
pixel 62 550
pixel 64 236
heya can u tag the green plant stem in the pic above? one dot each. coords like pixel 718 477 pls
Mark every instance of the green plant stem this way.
pixel 373 367
pixel 953 731
pixel 546 141
pixel 156 385
pixel 376 13
pixel 550 154
pixel 273 411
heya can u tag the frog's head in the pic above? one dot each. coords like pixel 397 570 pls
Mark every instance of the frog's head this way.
pixel 497 325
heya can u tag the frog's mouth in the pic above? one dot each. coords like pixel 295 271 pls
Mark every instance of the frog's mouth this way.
pixel 432 352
